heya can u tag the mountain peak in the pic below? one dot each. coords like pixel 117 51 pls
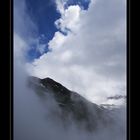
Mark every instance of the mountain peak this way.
pixel 71 103
pixel 61 93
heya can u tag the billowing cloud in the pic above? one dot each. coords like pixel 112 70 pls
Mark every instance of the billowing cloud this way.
pixel 69 19
pixel 92 59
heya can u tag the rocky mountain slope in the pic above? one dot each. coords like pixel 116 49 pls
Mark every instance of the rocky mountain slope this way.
pixel 84 114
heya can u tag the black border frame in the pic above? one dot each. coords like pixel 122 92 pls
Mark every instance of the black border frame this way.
pixel 6 55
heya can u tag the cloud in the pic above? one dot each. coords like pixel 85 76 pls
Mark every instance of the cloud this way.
pixel 69 19
pixel 23 25
pixel 92 59
pixel 60 5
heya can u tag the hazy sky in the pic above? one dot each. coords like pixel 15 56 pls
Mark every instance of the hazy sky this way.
pixel 81 44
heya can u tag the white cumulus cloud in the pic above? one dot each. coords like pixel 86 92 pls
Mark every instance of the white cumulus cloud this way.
pixel 69 19
pixel 91 60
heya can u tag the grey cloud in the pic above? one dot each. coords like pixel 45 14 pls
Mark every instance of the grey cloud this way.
pixel 95 54
pixel 23 25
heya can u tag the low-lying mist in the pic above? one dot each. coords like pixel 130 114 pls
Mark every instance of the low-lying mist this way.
pixel 36 119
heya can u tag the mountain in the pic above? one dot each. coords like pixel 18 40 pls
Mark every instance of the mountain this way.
pixel 83 113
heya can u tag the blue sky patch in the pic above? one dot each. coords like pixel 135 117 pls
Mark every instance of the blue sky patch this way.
pixel 82 3
pixel 43 13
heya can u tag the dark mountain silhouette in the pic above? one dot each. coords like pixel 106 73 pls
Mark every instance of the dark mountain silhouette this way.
pixel 81 111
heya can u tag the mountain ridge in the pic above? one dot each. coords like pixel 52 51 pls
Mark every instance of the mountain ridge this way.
pixel 83 112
